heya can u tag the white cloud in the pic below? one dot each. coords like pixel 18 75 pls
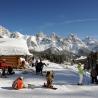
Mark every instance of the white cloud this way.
pixel 79 20
pixel 51 24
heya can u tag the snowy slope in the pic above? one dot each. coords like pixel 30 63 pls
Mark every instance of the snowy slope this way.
pixel 64 80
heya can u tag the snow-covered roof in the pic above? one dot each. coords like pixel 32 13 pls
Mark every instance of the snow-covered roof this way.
pixel 13 46
pixel 81 58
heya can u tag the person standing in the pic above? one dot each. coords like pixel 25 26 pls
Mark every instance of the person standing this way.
pixel 40 66
pixel 81 73
pixel 36 67
pixel 94 76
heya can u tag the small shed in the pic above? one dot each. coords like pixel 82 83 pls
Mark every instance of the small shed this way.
pixel 11 49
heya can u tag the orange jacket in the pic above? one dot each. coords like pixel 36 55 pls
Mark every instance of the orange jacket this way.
pixel 19 84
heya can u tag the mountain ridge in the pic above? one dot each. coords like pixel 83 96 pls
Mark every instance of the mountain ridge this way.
pixel 42 42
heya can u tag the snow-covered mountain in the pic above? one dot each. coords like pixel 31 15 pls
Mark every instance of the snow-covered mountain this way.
pixel 42 42
pixel 4 33
pixel 91 43
pixel 17 35
pixel 73 43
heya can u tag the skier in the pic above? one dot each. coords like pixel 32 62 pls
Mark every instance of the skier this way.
pixel 81 72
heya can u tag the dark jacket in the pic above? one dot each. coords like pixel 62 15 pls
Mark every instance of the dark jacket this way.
pixel 93 73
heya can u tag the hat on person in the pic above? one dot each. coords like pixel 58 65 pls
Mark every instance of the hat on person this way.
pixel 21 78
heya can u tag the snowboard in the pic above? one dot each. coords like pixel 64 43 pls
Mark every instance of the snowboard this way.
pixel 43 86
pixel 54 88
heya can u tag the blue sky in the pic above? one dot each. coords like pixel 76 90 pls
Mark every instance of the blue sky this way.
pixel 60 16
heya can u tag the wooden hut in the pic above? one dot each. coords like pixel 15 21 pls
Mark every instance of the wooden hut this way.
pixel 12 49
pixel 81 59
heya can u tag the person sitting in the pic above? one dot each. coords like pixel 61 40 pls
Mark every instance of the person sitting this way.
pixel 22 66
pixel 18 83
pixel 49 78
pixel 3 74
pixel 4 66
pixel 10 70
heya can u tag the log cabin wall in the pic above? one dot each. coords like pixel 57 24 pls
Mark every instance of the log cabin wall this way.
pixel 11 60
